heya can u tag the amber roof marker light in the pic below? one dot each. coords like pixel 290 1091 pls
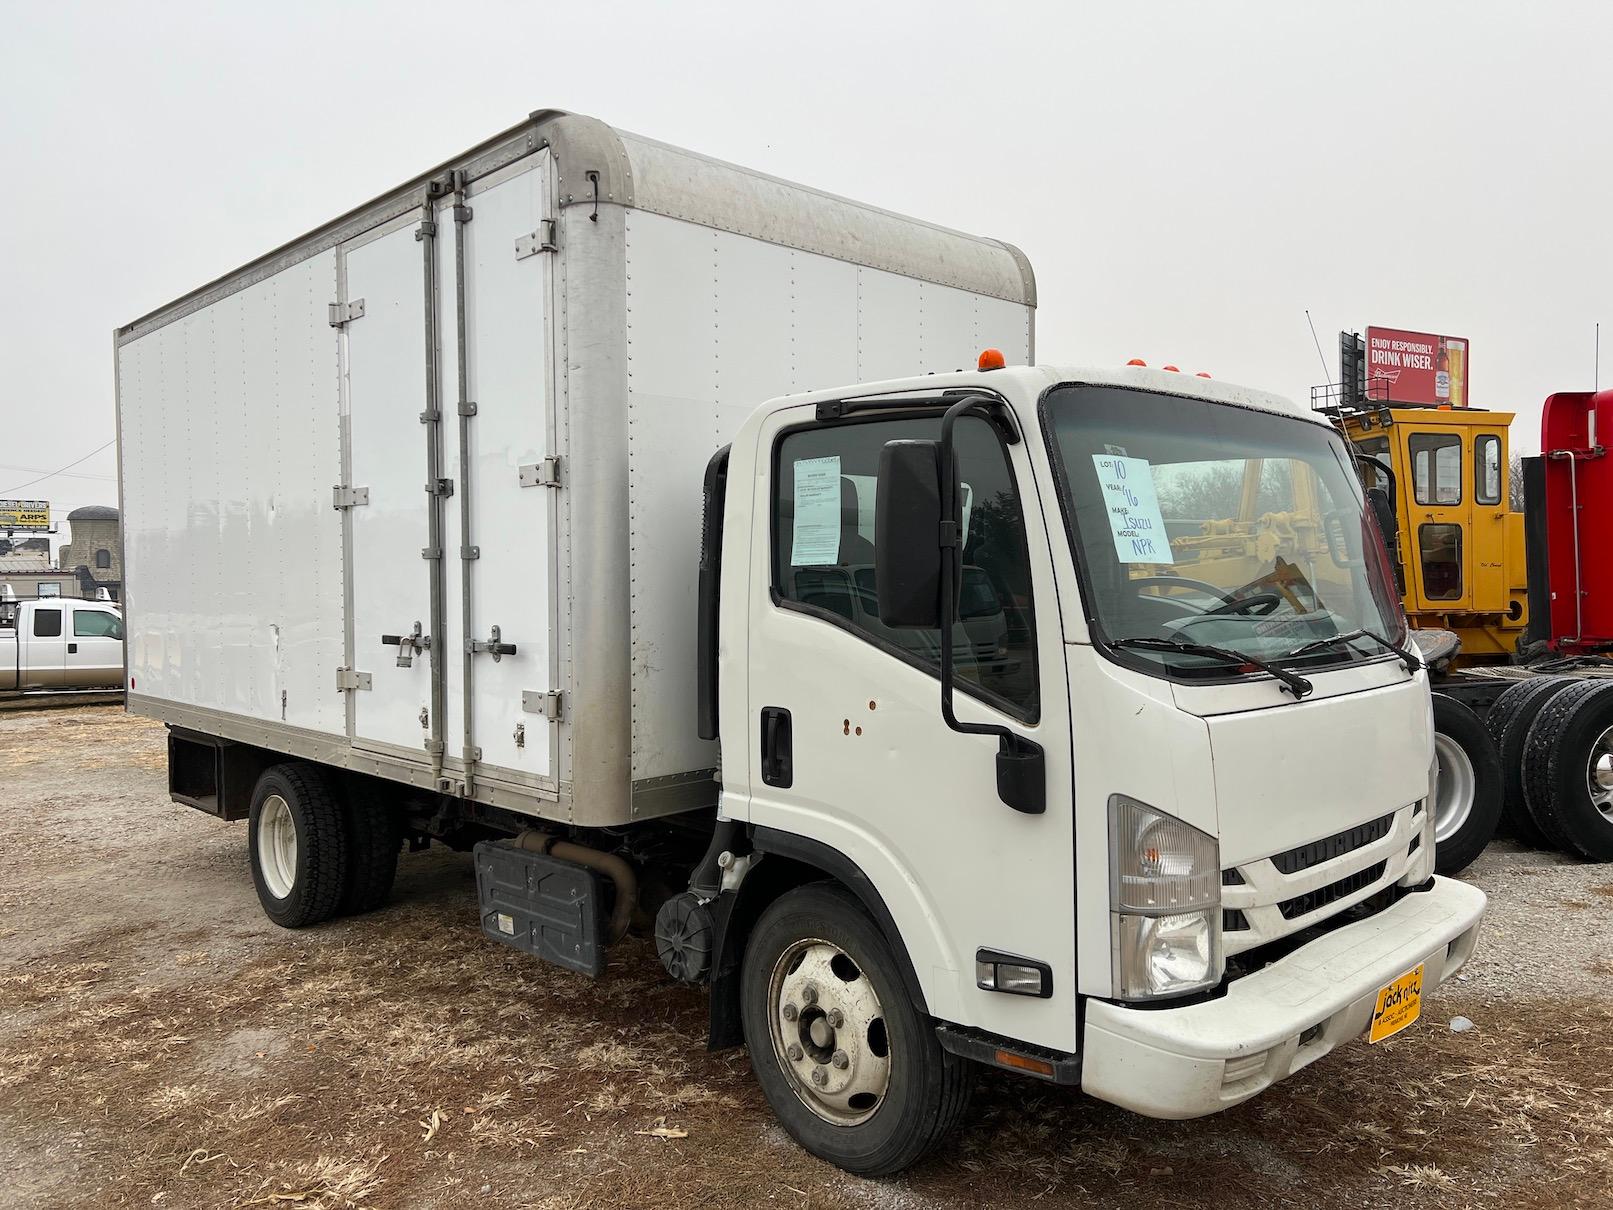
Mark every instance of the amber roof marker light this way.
pixel 992 359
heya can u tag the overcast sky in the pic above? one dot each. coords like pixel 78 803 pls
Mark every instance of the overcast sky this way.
pixel 1187 179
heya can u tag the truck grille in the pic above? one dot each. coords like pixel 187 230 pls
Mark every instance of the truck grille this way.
pixel 1303 905
pixel 1329 847
pixel 1274 896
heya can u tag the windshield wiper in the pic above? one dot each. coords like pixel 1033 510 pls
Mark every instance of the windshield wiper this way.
pixel 1293 682
pixel 1411 662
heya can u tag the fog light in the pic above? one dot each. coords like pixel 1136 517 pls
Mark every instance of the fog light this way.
pixel 1014 975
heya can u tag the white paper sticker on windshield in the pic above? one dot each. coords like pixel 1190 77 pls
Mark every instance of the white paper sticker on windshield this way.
pixel 816 541
pixel 1133 507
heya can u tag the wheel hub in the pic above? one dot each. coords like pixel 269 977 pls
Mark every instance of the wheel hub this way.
pixel 277 846
pixel 1454 788
pixel 1599 772
pixel 828 1032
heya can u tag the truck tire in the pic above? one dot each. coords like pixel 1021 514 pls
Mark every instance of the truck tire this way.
pixel 297 839
pixel 1509 720
pixel 873 1093
pixel 373 840
pixel 1568 770
pixel 1467 790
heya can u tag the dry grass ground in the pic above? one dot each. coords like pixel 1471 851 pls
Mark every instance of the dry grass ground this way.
pixel 162 1045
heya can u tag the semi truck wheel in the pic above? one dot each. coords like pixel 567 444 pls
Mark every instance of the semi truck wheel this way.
pixel 1568 770
pixel 373 840
pixel 1509 721
pixel 1467 786
pixel 849 1065
pixel 297 839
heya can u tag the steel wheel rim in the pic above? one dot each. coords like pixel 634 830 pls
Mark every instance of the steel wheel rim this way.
pixel 277 846
pixel 841 1072
pixel 1599 773
pixel 1454 787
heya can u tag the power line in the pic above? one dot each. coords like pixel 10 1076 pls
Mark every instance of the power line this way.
pixel 36 470
pixel 54 473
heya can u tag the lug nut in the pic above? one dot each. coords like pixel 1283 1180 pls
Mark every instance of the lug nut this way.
pixel 809 995
pixel 840 1060
pixel 819 1076
pixel 794 1052
pixel 836 1018
pixel 791 1012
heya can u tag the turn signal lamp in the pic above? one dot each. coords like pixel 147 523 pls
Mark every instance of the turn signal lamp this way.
pixel 992 359
pixel 1137 361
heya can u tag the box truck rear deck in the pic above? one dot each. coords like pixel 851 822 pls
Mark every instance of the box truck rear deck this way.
pixel 518 510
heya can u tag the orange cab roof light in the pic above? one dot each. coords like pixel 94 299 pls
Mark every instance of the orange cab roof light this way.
pixel 992 359
pixel 1137 361
pixel 1203 374
pixel 1172 369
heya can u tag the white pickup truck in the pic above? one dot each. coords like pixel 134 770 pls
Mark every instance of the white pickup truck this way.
pixel 56 644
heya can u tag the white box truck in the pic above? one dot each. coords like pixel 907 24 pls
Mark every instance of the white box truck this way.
pixel 517 510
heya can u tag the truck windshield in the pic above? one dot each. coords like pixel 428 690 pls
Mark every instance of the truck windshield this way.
pixel 1208 524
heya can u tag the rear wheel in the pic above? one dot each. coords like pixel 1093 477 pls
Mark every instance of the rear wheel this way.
pixel 849 1065
pixel 1568 770
pixel 1467 786
pixel 1509 721
pixel 373 840
pixel 297 843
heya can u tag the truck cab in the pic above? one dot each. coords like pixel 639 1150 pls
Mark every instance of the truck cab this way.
pixel 1137 849
pixel 59 643
pixel 1461 545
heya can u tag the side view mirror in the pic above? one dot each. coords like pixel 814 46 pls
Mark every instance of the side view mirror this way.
pixel 907 529
pixel 918 572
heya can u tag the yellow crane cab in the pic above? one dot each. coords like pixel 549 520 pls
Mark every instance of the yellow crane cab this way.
pixel 1460 545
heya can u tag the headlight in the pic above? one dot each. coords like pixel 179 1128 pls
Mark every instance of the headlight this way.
pixel 1165 903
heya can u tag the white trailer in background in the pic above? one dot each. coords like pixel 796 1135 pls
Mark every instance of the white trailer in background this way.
pixel 519 510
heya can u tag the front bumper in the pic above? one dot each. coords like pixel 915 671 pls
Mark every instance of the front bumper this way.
pixel 1190 1061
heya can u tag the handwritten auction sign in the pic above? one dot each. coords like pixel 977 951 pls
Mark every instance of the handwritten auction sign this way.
pixel 1133 508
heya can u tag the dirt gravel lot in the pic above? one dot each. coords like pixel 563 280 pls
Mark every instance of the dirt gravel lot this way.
pixel 161 1044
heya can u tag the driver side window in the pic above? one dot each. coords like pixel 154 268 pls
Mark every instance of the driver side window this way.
pixel 823 551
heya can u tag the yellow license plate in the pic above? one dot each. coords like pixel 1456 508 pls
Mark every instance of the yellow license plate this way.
pixel 1398 1006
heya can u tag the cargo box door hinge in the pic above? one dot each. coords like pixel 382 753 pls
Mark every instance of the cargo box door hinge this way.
pixel 349 497
pixel 348 678
pixel 541 240
pixel 547 702
pixel 346 313
pixel 541 474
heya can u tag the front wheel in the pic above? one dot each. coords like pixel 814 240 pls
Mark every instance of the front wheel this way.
pixel 849 1065
pixel 1467 786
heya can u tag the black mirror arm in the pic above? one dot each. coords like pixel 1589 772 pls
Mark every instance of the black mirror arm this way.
pixel 1020 780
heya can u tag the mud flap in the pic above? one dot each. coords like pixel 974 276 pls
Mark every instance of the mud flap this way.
pixel 549 908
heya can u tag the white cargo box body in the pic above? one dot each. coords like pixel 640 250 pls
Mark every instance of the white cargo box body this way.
pixel 305 469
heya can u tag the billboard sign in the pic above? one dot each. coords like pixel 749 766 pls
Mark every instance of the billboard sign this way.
pixel 1417 367
pixel 25 514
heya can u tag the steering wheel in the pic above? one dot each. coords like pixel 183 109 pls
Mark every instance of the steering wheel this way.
pixel 1249 604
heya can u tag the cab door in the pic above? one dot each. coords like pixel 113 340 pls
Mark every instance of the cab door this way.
pixel 1489 530
pixel 44 648
pixel 1438 507
pixel 94 655
pixel 847 746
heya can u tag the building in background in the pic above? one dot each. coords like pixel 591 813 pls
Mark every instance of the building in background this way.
pixel 94 556
pixel 25 569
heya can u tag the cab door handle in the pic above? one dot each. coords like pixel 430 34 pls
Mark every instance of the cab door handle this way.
pixel 72 649
pixel 777 766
